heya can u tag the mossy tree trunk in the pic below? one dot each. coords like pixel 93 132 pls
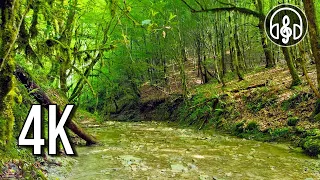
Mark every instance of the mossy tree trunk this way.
pixel 310 11
pixel 293 71
pixel 314 34
pixel 7 64
pixel 236 54
pixel 66 40
pixel 270 62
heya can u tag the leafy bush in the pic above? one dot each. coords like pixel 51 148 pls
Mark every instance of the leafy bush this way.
pixel 252 126
pixel 299 130
pixel 311 146
pixel 239 128
pixel 313 132
pixel 280 132
pixel 293 121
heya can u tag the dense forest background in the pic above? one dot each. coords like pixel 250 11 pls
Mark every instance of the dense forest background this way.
pixel 102 55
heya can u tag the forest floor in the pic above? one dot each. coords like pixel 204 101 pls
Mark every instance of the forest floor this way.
pixel 271 105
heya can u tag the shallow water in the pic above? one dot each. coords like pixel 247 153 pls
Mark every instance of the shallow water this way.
pixel 152 150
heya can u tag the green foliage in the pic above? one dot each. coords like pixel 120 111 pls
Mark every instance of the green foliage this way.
pixel 299 130
pixel 313 132
pixel 239 128
pixel 252 126
pixel 259 100
pixel 311 146
pixel 280 133
pixel 317 118
pixel 295 100
pixel 293 121
pixel 310 142
pixel 200 108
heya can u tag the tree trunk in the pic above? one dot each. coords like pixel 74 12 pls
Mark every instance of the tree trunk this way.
pixel 205 70
pixel 36 91
pixel 293 71
pixel 304 69
pixel 260 15
pixel 314 34
pixel 7 33
pixel 314 41
pixel 235 59
pixel 270 62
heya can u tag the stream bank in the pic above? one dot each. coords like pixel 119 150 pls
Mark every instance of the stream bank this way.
pixel 263 107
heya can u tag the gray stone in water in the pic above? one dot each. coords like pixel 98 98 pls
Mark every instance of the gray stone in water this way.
pixel 129 159
pixel 178 168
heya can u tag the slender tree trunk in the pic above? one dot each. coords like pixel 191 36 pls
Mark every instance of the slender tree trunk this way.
pixel 182 60
pixel 293 71
pixel 304 69
pixel 270 62
pixel 223 57
pixel 242 63
pixel 235 59
pixel 205 71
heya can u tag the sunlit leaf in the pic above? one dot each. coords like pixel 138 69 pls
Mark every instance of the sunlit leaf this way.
pixel 172 16
pixel 146 22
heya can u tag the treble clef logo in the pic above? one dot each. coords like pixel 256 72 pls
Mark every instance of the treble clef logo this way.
pixel 286 25
pixel 286 31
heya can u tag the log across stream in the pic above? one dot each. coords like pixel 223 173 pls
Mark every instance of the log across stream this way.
pixel 152 150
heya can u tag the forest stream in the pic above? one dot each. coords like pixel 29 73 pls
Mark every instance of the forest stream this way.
pixel 153 150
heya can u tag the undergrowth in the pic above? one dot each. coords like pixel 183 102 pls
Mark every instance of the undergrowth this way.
pixel 201 110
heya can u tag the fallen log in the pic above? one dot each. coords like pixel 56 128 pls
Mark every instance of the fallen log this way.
pixel 38 93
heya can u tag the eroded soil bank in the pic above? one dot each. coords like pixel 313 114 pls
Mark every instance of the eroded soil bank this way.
pixel 153 150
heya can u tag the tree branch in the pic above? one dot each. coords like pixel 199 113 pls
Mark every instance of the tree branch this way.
pixel 236 9
pixel 97 49
pixel 15 37
pixel 222 9
pixel 199 4
pixel 191 8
